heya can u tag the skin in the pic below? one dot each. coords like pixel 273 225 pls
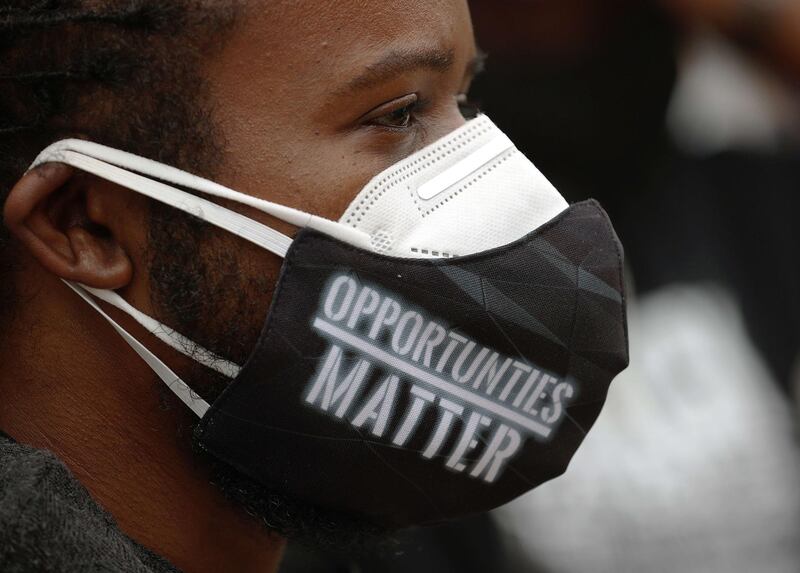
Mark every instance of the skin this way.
pixel 303 91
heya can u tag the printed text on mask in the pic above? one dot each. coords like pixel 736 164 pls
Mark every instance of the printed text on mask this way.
pixel 497 399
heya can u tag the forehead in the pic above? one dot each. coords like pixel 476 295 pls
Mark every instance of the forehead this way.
pixel 304 23
pixel 282 88
pixel 310 41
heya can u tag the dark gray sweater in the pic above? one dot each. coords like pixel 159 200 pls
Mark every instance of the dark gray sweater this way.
pixel 50 523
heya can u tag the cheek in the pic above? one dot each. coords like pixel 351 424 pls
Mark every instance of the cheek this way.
pixel 339 179
pixel 321 176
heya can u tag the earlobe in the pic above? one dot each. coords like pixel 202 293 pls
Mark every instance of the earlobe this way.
pixel 63 226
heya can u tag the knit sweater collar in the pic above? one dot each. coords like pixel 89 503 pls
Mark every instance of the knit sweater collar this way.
pixel 49 522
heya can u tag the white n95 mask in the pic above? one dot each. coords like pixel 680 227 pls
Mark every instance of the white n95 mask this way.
pixel 441 349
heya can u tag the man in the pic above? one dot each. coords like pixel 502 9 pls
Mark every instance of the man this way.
pixel 300 104
pixel 270 98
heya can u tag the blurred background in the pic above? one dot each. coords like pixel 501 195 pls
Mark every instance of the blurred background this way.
pixel 683 118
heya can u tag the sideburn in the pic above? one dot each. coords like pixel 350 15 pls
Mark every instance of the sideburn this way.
pixel 211 287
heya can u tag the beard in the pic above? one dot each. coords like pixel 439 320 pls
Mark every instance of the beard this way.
pixel 215 289
pixel 295 519
pixel 212 287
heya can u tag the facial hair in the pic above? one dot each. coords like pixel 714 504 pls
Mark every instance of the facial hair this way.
pixel 216 291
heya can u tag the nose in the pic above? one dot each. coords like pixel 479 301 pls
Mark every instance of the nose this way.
pixel 450 121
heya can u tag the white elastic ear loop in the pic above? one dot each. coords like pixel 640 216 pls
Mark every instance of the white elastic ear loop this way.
pixel 90 157
pixel 172 380
pixel 167 335
pixel 231 221
pixel 178 177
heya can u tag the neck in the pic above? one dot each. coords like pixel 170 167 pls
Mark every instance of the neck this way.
pixel 71 385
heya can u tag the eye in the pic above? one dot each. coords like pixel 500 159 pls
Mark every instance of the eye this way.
pixel 396 114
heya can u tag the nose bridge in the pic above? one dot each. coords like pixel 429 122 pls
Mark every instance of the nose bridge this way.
pixel 450 121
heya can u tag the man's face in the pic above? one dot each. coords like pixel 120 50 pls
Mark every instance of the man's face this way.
pixel 312 99
pixel 315 98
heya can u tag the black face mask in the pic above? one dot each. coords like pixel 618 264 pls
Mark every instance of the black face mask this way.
pixel 413 391
pixel 397 388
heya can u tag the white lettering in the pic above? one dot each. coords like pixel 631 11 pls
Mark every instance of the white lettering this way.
pixel 565 389
pixel 327 379
pixel 432 336
pixel 467 441
pixel 450 410
pixel 494 375
pixel 504 444
pixel 472 385
pixel 331 311
pixel 526 388
pixel 455 340
pixel 464 378
pixel 387 315
pixel 400 347
pixel 520 368
pixel 363 307
pixel 538 394
pixel 422 398
pixel 379 406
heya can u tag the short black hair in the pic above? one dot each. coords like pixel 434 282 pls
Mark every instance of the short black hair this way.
pixel 125 73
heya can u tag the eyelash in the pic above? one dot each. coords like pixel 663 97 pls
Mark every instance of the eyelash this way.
pixel 412 110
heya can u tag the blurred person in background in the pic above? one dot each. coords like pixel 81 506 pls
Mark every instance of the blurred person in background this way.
pixel 586 87
pixel 681 115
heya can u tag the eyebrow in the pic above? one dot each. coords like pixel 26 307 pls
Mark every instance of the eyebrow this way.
pixel 399 61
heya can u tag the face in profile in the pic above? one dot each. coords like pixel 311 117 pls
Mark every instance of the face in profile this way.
pixel 300 103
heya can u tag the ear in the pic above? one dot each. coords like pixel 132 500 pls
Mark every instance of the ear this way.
pixel 64 222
